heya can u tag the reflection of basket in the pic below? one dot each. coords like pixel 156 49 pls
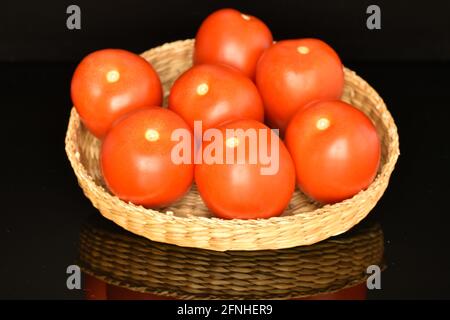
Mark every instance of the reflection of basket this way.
pixel 123 259
pixel 189 223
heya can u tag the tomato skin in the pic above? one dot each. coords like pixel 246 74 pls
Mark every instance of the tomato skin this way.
pixel 229 37
pixel 290 78
pixel 335 162
pixel 230 96
pixel 240 191
pixel 142 171
pixel 100 102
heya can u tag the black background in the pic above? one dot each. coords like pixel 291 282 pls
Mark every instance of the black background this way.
pixel 411 30
pixel 407 62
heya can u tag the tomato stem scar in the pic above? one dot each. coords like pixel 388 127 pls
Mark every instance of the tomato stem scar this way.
pixel 232 142
pixel 303 50
pixel 202 89
pixel 151 135
pixel 322 124
pixel 112 76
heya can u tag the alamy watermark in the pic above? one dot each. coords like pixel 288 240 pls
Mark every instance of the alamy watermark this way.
pixel 373 22
pixel 74 279
pixel 73 21
pixel 374 279
pixel 237 146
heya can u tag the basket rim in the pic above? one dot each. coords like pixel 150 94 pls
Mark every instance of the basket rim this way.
pixel 380 181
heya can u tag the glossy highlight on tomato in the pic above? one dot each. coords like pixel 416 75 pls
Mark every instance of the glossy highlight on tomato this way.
pixel 335 148
pixel 230 37
pixel 215 94
pixel 293 73
pixel 240 190
pixel 108 84
pixel 136 158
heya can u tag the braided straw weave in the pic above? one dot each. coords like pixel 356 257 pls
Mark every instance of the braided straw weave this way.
pixel 189 223
pixel 120 258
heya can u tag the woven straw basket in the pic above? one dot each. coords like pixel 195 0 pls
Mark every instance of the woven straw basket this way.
pixel 189 223
pixel 120 258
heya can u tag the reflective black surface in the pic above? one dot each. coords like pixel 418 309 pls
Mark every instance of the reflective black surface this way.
pixel 113 258
pixel 43 208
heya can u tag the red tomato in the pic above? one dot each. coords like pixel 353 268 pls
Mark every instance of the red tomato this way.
pixel 335 148
pixel 230 37
pixel 293 73
pixel 215 94
pixel 240 189
pixel 137 162
pixel 107 84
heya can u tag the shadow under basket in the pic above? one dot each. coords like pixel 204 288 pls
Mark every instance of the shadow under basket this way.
pixel 189 223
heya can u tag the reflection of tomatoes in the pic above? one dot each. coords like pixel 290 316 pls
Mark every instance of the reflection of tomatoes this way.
pixel 137 162
pixel 240 189
pixel 119 293
pixel 95 289
pixel 229 37
pixel 109 83
pixel 293 73
pixel 335 148
pixel 357 292
pixel 215 94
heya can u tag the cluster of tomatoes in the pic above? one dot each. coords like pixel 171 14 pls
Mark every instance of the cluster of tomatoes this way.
pixel 240 79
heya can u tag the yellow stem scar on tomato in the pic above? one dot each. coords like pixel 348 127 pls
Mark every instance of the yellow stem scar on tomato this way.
pixel 151 135
pixel 303 50
pixel 245 17
pixel 232 142
pixel 112 76
pixel 322 124
pixel 202 89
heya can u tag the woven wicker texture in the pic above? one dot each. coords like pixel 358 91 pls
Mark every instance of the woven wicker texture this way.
pixel 189 223
pixel 129 261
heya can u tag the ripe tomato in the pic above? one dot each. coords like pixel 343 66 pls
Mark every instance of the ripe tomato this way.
pixel 136 158
pixel 107 84
pixel 335 148
pixel 215 94
pixel 240 189
pixel 230 37
pixel 293 73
